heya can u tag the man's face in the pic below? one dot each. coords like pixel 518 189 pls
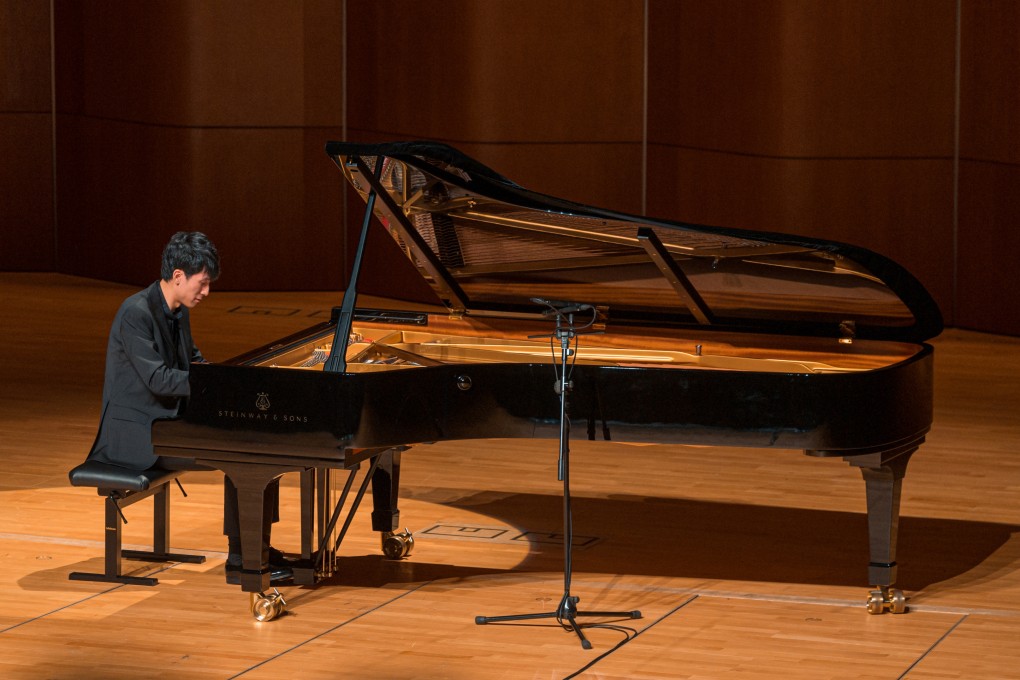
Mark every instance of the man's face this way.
pixel 190 290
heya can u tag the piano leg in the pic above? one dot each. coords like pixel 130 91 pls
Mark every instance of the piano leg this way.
pixel 385 513
pixel 883 478
pixel 385 490
pixel 251 482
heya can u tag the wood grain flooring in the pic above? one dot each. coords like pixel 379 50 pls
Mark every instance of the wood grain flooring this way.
pixel 744 563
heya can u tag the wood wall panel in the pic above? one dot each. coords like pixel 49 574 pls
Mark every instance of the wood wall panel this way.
pixel 832 120
pixel 988 295
pixel 844 78
pixel 268 197
pixel 549 94
pixel 25 55
pixel 124 191
pixel 988 286
pixel 990 81
pixel 197 63
pixel 280 227
pixel 198 115
pixel 26 192
pixel 527 71
pixel 26 137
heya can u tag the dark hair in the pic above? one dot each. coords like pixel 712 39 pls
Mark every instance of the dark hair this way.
pixel 191 252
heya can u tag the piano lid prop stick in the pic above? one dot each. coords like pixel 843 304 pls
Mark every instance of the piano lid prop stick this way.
pixel 337 361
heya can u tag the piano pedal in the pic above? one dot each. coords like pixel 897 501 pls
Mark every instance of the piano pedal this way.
pixel 396 545
pixel 887 599
pixel 267 607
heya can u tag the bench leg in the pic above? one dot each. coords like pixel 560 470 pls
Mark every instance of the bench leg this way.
pixel 113 553
pixel 161 535
pixel 113 544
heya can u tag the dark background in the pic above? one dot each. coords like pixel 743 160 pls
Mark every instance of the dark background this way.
pixel 891 125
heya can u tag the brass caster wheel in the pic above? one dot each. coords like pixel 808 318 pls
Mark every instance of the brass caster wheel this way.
pixel 397 545
pixel 887 599
pixel 876 604
pixel 897 601
pixel 267 607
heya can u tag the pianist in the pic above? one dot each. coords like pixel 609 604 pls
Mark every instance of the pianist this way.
pixel 148 357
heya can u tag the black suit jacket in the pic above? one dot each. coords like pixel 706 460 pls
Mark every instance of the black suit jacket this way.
pixel 144 379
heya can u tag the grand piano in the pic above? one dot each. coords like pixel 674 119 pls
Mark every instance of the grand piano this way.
pixel 692 335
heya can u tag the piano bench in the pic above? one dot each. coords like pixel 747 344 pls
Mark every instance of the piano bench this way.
pixel 123 487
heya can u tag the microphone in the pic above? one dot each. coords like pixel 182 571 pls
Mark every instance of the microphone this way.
pixel 563 306
pixel 572 307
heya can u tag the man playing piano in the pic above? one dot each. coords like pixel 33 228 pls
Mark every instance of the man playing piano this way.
pixel 148 357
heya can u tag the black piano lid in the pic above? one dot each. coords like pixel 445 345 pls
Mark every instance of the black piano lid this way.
pixel 487 246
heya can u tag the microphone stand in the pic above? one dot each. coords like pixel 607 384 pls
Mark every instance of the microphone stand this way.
pixel 566 613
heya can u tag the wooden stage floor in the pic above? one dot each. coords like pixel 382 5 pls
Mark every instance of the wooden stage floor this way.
pixel 745 563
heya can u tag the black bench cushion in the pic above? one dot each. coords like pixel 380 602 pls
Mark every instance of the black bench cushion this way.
pixel 106 476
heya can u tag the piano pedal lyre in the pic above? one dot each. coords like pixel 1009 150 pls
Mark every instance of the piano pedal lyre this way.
pixel 887 599
pixel 267 607
pixel 397 545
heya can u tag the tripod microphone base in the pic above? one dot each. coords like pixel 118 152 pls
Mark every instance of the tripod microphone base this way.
pixel 566 614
